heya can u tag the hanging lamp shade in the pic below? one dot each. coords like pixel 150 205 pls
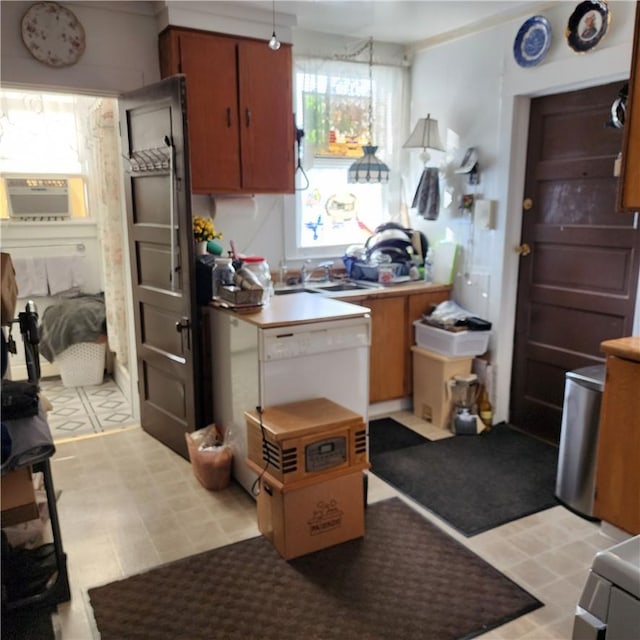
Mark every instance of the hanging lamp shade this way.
pixel 368 169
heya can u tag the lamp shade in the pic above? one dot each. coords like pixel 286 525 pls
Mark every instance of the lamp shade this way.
pixel 425 135
pixel 368 169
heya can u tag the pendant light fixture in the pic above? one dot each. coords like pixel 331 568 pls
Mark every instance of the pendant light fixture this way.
pixel 274 43
pixel 369 169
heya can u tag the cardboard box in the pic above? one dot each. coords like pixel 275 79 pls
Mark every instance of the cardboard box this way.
pixel 302 440
pixel 8 289
pixel 309 516
pixel 431 374
pixel 18 497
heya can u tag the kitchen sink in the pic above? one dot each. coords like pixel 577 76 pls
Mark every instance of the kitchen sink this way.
pixel 345 286
pixel 293 289
pixel 325 287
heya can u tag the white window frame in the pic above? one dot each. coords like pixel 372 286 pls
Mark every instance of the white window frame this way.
pixel 396 128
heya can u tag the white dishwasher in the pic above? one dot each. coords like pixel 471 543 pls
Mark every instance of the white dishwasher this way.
pixel 256 366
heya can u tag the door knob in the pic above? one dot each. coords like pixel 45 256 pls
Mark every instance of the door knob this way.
pixel 183 325
pixel 523 249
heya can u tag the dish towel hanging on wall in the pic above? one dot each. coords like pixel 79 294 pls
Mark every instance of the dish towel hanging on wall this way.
pixel 31 277
pixel 427 197
pixel 64 273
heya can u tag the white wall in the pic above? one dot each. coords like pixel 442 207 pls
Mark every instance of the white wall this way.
pixel 474 87
pixel 471 85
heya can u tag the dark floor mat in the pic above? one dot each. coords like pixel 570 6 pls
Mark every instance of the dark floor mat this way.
pixel 386 434
pixel 478 482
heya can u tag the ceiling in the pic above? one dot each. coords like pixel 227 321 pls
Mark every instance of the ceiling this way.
pixel 398 21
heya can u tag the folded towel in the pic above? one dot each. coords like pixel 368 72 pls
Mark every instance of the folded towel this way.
pixel 427 197
pixel 64 273
pixel 31 441
pixel 31 277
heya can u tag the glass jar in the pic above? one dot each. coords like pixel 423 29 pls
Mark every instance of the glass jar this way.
pixel 222 274
pixel 259 266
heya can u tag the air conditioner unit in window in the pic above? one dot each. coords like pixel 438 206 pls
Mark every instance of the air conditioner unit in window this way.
pixel 42 197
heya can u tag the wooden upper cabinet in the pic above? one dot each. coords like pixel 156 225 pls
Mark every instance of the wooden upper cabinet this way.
pixel 629 191
pixel 239 110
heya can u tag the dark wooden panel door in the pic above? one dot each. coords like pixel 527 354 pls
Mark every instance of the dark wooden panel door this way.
pixel 577 285
pixel 154 140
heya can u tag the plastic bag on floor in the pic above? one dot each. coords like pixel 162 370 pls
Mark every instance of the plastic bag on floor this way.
pixel 211 456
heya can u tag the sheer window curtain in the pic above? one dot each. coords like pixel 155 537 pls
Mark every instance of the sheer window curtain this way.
pixel 107 206
pixel 390 87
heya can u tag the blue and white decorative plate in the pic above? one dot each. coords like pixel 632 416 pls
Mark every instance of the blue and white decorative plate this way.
pixel 532 41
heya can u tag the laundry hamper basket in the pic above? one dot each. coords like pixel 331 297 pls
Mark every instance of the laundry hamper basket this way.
pixel 82 364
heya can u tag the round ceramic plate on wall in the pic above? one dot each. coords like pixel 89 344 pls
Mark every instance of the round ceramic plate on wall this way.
pixel 532 41
pixel 587 25
pixel 52 34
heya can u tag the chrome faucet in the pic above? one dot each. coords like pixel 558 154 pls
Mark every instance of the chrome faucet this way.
pixel 307 270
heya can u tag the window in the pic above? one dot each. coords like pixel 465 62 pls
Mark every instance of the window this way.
pixel 332 108
pixel 46 133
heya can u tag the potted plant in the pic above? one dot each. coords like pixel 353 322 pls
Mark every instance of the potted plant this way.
pixel 203 231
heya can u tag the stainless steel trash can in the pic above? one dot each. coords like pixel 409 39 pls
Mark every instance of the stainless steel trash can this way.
pixel 575 482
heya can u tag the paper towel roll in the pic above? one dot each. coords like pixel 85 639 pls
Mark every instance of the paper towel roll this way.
pixel 234 205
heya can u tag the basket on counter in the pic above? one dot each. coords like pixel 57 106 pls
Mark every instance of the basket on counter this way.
pixel 241 297
pixel 82 364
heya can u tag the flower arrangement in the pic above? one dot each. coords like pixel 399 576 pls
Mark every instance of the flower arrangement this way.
pixel 204 229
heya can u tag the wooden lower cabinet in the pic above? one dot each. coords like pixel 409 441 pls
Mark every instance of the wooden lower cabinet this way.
pixel 387 357
pixel 617 496
pixel 392 334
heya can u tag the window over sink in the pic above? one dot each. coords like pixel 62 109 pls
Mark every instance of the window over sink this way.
pixel 332 108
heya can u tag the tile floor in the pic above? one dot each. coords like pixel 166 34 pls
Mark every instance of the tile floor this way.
pixel 128 503
pixel 79 411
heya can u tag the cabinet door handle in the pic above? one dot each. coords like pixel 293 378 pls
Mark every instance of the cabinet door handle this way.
pixel 228 117
pixel 248 117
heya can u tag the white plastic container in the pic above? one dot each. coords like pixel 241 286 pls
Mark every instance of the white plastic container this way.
pixel 451 343
pixel 82 364
pixel 260 267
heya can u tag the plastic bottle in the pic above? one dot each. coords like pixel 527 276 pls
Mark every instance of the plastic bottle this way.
pixel 259 266
pixel 484 408
pixel 222 274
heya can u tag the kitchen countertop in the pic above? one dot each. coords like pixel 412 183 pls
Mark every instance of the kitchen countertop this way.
pixel 628 348
pixel 299 308
pixel 386 291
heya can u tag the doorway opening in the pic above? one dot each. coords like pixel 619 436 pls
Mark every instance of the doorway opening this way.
pixel 75 136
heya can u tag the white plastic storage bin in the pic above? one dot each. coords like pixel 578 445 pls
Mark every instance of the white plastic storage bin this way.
pixel 82 364
pixel 453 344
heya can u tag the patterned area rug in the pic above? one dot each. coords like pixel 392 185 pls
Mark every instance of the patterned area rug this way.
pixel 80 411
pixel 405 579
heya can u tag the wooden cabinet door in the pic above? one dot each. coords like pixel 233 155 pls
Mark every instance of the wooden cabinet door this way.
pixel 388 356
pixel 617 496
pixel 417 305
pixel 629 188
pixel 209 63
pixel 266 117
pixel 239 109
